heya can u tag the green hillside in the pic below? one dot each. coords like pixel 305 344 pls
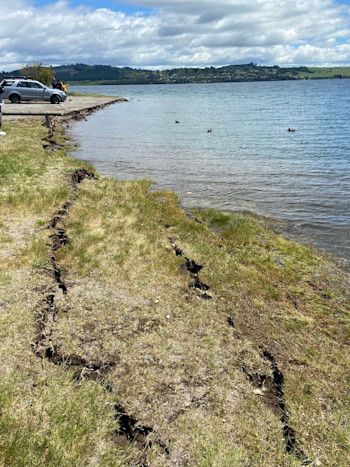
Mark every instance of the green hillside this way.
pixel 326 73
pixel 103 74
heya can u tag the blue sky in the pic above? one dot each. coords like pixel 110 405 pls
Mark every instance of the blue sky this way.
pixel 128 9
pixel 119 6
pixel 175 33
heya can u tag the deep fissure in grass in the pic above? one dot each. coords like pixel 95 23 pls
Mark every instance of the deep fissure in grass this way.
pixel 48 311
pixel 232 324
pixel 50 144
pixel 135 432
pixel 59 236
pixel 274 383
pixel 288 431
pixel 274 397
pixel 193 268
pixel 129 427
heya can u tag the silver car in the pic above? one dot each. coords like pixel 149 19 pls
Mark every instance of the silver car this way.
pixel 23 89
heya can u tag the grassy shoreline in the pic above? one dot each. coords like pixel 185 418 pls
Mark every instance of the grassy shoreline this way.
pixel 132 334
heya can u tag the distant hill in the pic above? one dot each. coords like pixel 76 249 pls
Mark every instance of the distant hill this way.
pixel 103 74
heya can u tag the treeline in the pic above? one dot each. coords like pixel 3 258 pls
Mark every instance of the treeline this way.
pixel 103 74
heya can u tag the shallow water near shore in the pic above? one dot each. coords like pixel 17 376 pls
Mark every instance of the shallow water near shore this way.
pixel 249 161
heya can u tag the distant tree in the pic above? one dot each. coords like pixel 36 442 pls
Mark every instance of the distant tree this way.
pixel 38 72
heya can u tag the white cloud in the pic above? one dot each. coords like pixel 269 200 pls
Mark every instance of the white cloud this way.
pixel 179 33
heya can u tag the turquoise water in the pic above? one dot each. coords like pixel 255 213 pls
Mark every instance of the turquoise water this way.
pixel 249 161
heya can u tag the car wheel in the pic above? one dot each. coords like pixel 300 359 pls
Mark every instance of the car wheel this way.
pixel 15 99
pixel 55 99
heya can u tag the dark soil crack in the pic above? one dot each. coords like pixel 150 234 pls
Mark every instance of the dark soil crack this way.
pixel 272 389
pixel 48 310
pixel 232 324
pixel 96 370
pixel 83 369
pixel 135 432
pixel 193 269
pixel 131 428
pixel 44 320
pixel 190 216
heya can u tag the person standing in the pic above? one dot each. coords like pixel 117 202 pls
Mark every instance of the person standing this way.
pixel 1 103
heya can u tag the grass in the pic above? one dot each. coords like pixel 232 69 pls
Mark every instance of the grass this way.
pixel 173 361
pixel 324 72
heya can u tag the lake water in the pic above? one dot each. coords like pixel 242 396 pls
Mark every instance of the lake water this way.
pixel 249 161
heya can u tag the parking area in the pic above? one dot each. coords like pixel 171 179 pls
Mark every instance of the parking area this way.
pixel 71 105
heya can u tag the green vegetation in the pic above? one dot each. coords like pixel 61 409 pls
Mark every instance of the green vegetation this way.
pixel 38 72
pixel 327 73
pixel 102 74
pixel 161 315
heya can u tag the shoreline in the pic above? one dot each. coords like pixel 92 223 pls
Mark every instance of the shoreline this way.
pixel 322 212
pixel 286 228
pixel 143 336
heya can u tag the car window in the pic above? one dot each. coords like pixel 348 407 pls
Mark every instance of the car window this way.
pixel 36 85
pixel 23 84
pixel 8 83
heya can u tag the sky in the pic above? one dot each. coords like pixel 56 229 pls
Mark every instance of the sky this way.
pixel 159 34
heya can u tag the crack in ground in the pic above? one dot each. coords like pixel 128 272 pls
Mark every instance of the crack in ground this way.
pixel 46 316
pixel 52 145
pixel 193 268
pixel 83 369
pixel 190 216
pixel 232 325
pixel 131 428
pixel 272 389
pixel 43 347
pixel 48 310
pixel 134 431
